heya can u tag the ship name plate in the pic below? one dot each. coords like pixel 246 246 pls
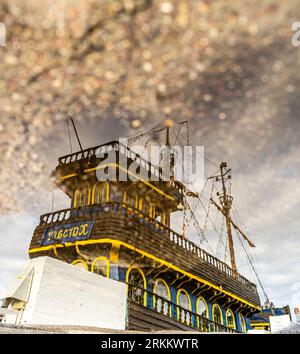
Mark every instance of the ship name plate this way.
pixel 72 232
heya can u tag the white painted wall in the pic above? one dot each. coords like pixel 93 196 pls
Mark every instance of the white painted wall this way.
pixel 62 294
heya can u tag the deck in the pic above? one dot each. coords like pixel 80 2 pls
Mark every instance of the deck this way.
pixel 116 221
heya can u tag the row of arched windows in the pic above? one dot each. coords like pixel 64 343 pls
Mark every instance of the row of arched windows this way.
pixel 135 276
pixel 104 192
pixel 84 195
pixel 100 265
pixel 161 288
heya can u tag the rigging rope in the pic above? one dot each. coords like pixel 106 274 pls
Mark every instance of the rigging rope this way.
pixel 157 128
pixel 257 274
pixel 199 229
pixel 236 214
pixel 133 138
pixel 177 135
pixel 253 268
pixel 210 219
pixel 220 239
pixel 145 146
pixel 198 201
pixel 208 209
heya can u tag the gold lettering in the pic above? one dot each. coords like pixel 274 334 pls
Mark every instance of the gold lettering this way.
pixel 60 234
pixel 75 231
pixel 83 229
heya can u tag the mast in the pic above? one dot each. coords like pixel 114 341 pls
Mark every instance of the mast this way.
pixel 226 203
pixel 76 133
pixel 170 153
pixel 170 156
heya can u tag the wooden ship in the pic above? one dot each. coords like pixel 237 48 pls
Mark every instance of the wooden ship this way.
pixel 121 229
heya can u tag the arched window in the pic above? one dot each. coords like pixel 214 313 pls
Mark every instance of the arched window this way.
pixel 131 200
pixel 201 307
pixel 115 194
pixel 100 266
pixel 82 196
pixel 184 301
pixel 230 319
pixel 137 285
pixel 146 207
pixel 160 215
pixel 202 310
pixel 242 323
pixel 217 316
pixel 162 290
pixel 100 193
pixel 79 263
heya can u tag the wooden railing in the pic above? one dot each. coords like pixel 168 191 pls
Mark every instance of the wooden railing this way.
pixel 165 307
pixel 153 171
pixel 87 153
pixel 61 216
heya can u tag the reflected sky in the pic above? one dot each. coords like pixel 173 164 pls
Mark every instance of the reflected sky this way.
pixel 117 67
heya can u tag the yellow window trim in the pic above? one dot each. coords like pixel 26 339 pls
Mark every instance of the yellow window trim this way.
pixel 181 290
pixel 123 169
pixel 165 284
pixel 168 290
pixel 149 255
pixel 243 324
pixel 164 218
pixel 136 203
pixel 153 211
pixel 82 262
pixel 106 191
pixel 103 259
pixel 232 314
pixel 140 204
pixel 150 209
pixel 144 279
pixel 78 190
pixel 201 298
pixel 217 306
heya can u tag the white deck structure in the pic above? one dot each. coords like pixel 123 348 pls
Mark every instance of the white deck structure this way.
pixel 51 292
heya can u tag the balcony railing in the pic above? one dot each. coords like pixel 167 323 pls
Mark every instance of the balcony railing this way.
pixel 165 307
pixel 86 154
pixel 61 216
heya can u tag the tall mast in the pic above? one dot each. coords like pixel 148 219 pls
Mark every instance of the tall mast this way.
pixel 226 203
pixel 171 161
pixel 168 135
